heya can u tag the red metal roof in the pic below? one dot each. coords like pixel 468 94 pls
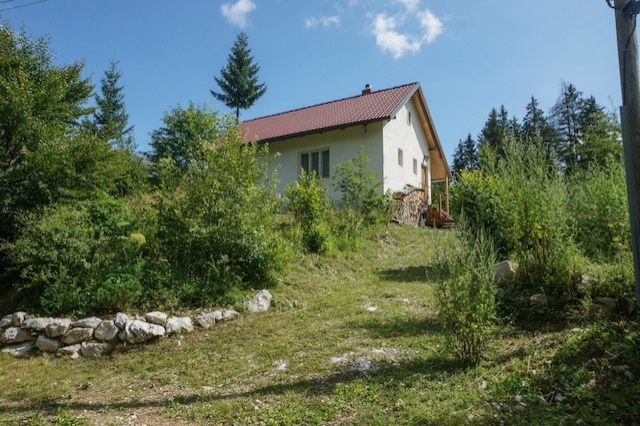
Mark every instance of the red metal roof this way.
pixel 365 108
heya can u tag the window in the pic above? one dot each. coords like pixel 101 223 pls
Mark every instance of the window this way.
pixel 400 160
pixel 409 118
pixel 415 167
pixel 317 161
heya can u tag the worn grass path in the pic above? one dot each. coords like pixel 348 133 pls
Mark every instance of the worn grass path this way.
pixel 352 339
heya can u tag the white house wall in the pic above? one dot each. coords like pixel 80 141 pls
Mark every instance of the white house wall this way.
pixel 343 145
pixel 399 134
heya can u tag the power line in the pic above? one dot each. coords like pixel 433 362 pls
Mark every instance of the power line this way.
pixel 22 5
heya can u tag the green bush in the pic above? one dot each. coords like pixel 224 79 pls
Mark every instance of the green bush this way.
pixel 309 203
pixel 217 224
pixel 466 300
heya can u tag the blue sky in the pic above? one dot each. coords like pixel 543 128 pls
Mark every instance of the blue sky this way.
pixel 468 55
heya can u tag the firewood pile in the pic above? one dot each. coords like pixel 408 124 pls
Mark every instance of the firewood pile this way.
pixel 411 206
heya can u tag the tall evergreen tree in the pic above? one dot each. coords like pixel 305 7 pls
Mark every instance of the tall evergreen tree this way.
pixel 566 119
pixel 466 155
pixel 496 129
pixel 238 81
pixel 536 127
pixel 111 118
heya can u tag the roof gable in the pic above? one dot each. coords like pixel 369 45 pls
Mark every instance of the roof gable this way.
pixel 365 108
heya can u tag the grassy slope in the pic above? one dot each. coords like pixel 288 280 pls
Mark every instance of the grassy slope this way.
pixel 320 357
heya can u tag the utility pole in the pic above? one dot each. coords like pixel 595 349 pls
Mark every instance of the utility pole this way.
pixel 626 11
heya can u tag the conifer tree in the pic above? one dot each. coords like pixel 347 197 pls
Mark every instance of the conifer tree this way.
pixel 466 156
pixel 566 119
pixel 536 127
pixel 238 81
pixel 111 118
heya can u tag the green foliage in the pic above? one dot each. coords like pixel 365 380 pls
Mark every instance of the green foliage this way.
pixel 466 300
pixel 238 81
pixel 184 132
pixel 217 227
pixel 466 156
pixel 309 203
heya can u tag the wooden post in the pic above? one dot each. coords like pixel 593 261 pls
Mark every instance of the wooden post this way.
pixel 439 203
pixel 446 192
pixel 630 118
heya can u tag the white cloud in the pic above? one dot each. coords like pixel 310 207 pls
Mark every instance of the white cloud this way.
pixel 325 21
pixel 390 40
pixel 411 5
pixel 237 12
pixel 432 26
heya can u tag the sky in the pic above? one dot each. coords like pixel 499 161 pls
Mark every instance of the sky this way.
pixel 469 56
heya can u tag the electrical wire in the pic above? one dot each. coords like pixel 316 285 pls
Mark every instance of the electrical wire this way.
pixel 22 5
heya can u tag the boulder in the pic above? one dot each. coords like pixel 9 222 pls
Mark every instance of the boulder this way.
pixel 229 314
pixel 207 319
pixel 72 350
pixel 259 303
pixel 539 300
pixel 136 331
pixel 121 320
pixel 626 306
pixel 95 349
pixel 6 321
pixel 20 350
pixel 106 330
pixel 602 306
pixel 77 335
pixel 15 335
pixel 58 327
pixel 504 270
pixel 36 324
pixel 91 322
pixel 18 318
pixel 179 325
pixel 47 344
pixel 156 317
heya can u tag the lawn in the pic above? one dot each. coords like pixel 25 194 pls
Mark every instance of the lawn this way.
pixel 352 338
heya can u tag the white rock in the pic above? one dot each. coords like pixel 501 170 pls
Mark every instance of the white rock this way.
pixel 207 319
pixel 121 320
pixel 94 349
pixel 77 335
pixel 539 300
pixel 15 335
pixel 91 322
pixel 37 324
pixel 229 314
pixel 504 270
pixel 72 350
pixel 106 330
pixel 19 350
pixel 18 318
pixel 156 317
pixel 6 321
pixel 47 344
pixel 259 303
pixel 179 325
pixel 58 327
pixel 558 397
pixel 136 331
pixel 372 309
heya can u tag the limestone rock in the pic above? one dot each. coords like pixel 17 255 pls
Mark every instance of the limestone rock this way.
pixel 71 350
pixel 229 314
pixel 259 303
pixel 136 331
pixel 95 349
pixel 106 331
pixel 121 320
pixel 606 301
pixel 207 319
pixel 18 318
pixel 47 344
pixel 20 350
pixel 504 270
pixel 92 322
pixel 179 325
pixel 539 300
pixel 602 306
pixel 626 305
pixel 6 321
pixel 156 317
pixel 37 324
pixel 77 335
pixel 15 335
pixel 58 327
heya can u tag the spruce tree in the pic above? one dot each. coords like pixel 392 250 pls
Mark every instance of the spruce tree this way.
pixel 536 127
pixel 238 81
pixel 566 119
pixel 111 118
pixel 466 156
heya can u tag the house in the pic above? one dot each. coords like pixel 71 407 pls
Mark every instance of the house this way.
pixel 392 125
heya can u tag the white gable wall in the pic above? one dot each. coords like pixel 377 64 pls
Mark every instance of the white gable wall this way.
pixel 343 145
pixel 399 134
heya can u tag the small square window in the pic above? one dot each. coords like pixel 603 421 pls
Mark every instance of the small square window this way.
pixel 400 159
pixel 415 167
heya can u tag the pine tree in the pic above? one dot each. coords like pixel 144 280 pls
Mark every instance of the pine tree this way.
pixel 466 156
pixel 238 81
pixel 536 127
pixel 111 118
pixel 566 119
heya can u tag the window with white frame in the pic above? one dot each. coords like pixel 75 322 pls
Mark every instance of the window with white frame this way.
pixel 400 157
pixel 415 166
pixel 316 161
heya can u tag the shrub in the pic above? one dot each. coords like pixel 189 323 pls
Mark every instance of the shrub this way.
pixel 309 203
pixel 466 300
